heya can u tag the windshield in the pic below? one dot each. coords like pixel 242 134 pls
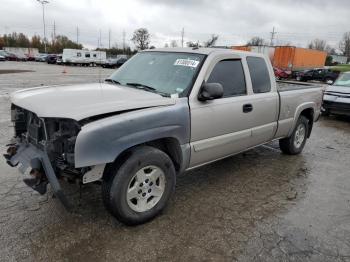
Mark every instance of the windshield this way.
pixel 165 72
pixel 343 80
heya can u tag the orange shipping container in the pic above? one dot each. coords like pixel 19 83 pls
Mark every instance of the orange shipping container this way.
pixel 295 58
pixel 241 48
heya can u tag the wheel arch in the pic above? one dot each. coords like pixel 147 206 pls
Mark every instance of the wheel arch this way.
pixel 307 110
pixel 169 145
pixel 309 114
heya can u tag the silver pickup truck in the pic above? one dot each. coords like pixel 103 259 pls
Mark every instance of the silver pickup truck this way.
pixel 163 112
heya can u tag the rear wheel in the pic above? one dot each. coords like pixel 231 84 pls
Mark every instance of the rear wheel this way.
pixel 140 188
pixel 295 143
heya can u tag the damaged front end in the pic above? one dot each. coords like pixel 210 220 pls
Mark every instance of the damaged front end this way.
pixel 43 148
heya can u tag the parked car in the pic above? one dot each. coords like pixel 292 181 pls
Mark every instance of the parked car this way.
pixel 51 59
pixel 21 57
pixel 41 58
pixel 164 112
pixel 8 56
pixel 59 60
pixel 30 57
pixel 2 58
pixel 281 74
pixel 114 62
pixel 336 99
pixel 321 74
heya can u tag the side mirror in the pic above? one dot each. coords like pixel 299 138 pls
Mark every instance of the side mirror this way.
pixel 210 91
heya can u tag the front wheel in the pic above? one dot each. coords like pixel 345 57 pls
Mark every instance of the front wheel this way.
pixel 294 144
pixel 140 188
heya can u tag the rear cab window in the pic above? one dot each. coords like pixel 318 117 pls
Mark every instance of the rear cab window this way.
pixel 229 73
pixel 259 74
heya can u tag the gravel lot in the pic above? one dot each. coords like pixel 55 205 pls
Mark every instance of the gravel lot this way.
pixel 260 205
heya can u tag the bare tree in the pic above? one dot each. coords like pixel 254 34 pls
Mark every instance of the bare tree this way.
pixel 141 38
pixel 318 44
pixel 211 41
pixel 173 43
pixel 344 44
pixel 256 40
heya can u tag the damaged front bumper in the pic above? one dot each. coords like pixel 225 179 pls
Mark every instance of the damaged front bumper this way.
pixel 31 160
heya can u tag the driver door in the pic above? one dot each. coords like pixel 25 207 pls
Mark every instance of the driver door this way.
pixel 221 127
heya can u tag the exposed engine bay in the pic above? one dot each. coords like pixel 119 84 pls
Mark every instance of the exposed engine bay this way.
pixel 55 136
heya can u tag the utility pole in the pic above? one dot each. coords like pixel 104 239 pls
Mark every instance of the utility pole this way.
pixel 77 35
pixel 43 2
pixel 109 39
pixel 272 35
pixel 54 31
pixel 182 37
pixel 100 42
pixel 124 34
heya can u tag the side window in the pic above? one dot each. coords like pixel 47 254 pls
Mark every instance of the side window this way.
pixel 230 74
pixel 87 55
pixel 94 55
pixel 78 54
pixel 259 74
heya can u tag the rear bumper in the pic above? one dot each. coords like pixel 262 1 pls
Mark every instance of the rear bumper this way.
pixel 336 108
pixel 28 155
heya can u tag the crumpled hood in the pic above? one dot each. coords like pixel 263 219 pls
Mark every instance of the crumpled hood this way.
pixel 85 100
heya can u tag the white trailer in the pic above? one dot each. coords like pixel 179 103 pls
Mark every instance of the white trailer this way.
pixel 83 57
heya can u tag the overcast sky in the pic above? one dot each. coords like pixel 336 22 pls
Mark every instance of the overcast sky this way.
pixel 296 21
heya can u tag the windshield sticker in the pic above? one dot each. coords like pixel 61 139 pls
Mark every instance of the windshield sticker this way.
pixel 179 90
pixel 186 62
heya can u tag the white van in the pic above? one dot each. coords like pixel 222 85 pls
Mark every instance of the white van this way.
pixel 83 57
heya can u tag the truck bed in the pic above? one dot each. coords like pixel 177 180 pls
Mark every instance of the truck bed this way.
pixel 283 86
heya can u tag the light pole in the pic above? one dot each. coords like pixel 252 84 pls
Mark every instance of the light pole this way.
pixel 43 2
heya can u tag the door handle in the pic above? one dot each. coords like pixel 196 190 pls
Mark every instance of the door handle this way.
pixel 247 108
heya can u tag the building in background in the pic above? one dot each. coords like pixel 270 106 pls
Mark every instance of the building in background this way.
pixel 339 59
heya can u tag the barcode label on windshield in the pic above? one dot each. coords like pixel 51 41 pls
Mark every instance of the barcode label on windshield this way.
pixel 186 62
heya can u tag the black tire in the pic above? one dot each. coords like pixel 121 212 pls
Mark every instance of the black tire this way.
pixel 288 144
pixel 118 178
pixel 325 112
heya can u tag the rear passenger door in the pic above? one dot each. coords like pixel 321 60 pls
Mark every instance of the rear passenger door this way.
pixel 264 100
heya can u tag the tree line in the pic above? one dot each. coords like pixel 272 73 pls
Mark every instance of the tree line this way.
pixel 21 40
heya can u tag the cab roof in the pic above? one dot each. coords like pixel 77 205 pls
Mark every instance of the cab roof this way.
pixel 200 50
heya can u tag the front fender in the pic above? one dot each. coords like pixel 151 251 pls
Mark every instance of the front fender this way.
pixel 102 141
